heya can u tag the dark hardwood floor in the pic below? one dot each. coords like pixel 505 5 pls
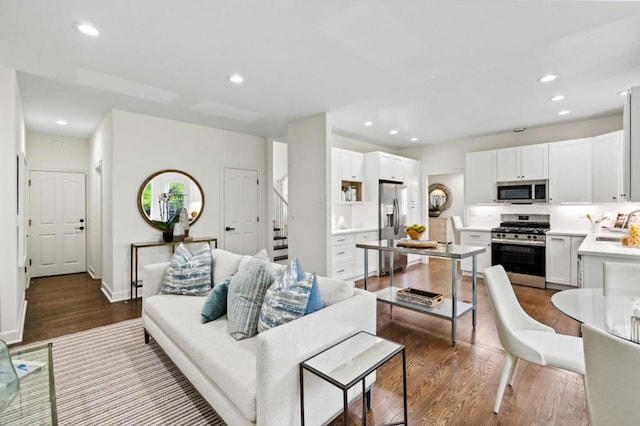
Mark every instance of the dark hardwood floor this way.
pixel 447 385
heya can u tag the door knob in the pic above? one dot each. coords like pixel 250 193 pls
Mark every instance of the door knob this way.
pixel 80 228
pixel 229 229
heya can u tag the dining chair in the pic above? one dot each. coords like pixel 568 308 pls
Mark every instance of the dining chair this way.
pixel 522 337
pixel 456 223
pixel 612 378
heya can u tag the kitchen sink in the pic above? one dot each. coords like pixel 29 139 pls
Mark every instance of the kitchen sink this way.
pixel 610 239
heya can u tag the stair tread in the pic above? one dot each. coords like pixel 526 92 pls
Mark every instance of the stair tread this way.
pixel 279 238
pixel 283 257
pixel 281 247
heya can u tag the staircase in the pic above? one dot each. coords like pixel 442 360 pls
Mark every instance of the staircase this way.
pixel 280 242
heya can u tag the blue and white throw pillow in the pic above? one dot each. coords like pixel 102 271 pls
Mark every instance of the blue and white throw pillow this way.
pixel 246 295
pixel 288 297
pixel 189 273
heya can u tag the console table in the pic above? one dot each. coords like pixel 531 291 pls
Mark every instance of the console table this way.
pixel 451 309
pixel 135 283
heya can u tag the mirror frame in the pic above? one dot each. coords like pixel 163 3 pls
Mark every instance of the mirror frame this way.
pixel 447 193
pixel 150 178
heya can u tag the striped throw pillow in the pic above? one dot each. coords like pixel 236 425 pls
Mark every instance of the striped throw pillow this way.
pixel 189 273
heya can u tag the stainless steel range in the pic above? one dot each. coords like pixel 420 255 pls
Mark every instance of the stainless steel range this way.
pixel 518 244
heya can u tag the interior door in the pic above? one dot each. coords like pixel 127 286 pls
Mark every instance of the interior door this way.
pixel 241 210
pixel 58 242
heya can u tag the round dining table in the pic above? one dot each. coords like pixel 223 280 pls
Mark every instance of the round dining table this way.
pixel 618 315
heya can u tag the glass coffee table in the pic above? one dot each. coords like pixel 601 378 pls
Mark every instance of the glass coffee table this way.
pixel 35 403
pixel 349 362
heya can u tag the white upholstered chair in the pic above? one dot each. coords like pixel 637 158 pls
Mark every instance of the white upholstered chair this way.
pixel 522 337
pixel 612 378
pixel 456 223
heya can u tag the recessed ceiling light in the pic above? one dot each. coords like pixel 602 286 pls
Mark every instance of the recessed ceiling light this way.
pixel 368 123
pixel 557 98
pixel 236 79
pixel 623 93
pixel 87 29
pixel 61 122
pixel 547 78
pixel 414 139
pixel 393 132
pixel 564 112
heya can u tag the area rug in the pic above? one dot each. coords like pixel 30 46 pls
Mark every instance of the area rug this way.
pixel 108 376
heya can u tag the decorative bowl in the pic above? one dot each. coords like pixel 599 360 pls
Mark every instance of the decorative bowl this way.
pixel 414 235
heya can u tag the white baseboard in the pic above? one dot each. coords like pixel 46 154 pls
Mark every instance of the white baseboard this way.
pixel 15 335
pixel 112 297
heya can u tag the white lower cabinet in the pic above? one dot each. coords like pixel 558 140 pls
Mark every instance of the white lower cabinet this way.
pixel 366 237
pixel 562 259
pixel 480 239
pixel 347 261
pixel 342 248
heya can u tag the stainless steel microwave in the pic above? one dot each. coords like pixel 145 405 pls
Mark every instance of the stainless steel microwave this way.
pixel 523 192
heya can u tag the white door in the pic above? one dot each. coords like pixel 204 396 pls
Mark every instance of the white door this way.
pixel 241 210
pixel 58 243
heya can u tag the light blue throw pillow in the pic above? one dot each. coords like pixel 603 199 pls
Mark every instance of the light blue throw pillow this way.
pixel 315 302
pixel 215 305
pixel 287 299
pixel 246 294
pixel 189 273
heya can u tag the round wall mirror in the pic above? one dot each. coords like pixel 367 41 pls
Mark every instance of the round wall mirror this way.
pixel 165 193
pixel 440 198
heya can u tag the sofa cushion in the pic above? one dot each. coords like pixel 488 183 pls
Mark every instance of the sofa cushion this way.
pixel 227 363
pixel 245 297
pixel 225 264
pixel 215 305
pixel 334 291
pixel 287 298
pixel 189 272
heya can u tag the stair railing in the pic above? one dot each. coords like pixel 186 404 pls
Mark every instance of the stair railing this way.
pixel 280 206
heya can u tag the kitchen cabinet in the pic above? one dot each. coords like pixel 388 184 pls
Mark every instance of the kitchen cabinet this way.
pixel 561 254
pixel 480 177
pixel 342 256
pixel 530 162
pixel 365 237
pixel 607 181
pixel 391 167
pixel 351 165
pixel 412 173
pixel 479 239
pixel 570 171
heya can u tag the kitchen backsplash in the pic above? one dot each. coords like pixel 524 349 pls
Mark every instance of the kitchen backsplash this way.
pixel 566 217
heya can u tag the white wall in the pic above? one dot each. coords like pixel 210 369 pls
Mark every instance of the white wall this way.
pixel 279 161
pixel 47 152
pixel 309 192
pixel 134 146
pixel 12 143
pixel 449 157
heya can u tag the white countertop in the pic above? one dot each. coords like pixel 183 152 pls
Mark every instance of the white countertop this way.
pixel 590 246
pixel 351 231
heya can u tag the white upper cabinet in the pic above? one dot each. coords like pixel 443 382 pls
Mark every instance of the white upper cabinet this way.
pixel 570 171
pixel 607 180
pixel 480 177
pixel 391 167
pixel 351 166
pixel 529 162
pixel 412 180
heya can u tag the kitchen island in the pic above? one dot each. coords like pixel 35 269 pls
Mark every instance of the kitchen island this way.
pixel 451 309
pixel 601 247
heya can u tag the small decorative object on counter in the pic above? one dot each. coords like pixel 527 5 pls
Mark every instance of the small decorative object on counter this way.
pixel 9 383
pixel 415 231
pixel 634 231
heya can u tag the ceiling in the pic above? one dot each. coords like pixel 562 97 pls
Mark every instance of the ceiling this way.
pixel 433 70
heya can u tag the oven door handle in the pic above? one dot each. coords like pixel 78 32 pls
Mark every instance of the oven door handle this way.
pixel 518 243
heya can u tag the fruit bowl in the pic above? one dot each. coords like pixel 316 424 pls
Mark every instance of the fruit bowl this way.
pixel 413 234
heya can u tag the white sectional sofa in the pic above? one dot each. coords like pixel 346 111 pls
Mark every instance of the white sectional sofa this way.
pixel 256 380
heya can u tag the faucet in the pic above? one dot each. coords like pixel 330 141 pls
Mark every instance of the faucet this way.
pixel 625 224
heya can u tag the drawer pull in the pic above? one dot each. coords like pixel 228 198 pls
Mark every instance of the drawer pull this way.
pixel 342 240
pixel 341 271
pixel 340 252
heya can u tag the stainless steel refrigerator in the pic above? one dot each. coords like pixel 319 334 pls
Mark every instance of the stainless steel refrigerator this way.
pixel 392 219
